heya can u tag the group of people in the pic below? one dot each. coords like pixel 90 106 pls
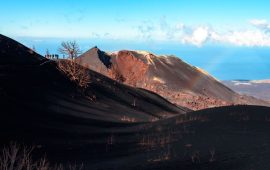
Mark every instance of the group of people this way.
pixel 52 56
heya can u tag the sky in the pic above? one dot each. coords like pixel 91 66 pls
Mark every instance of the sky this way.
pixel 185 28
pixel 241 22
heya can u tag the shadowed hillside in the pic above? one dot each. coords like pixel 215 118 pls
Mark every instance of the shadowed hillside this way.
pixel 34 92
pixel 233 137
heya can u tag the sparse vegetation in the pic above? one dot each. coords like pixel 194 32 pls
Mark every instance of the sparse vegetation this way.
pixel 110 142
pixel 195 157
pixel 212 154
pixel 74 71
pixel 128 119
pixel 152 141
pixel 164 155
pixel 19 157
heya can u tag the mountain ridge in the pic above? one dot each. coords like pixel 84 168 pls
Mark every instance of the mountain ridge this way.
pixel 169 76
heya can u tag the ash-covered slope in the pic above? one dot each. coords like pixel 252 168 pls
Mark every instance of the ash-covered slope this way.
pixel 14 53
pixel 231 137
pixel 168 76
pixel 38 100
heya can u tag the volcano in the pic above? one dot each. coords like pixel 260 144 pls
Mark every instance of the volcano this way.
pixel 168 76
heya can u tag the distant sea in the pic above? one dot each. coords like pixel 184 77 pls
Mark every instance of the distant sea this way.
pixel 223 62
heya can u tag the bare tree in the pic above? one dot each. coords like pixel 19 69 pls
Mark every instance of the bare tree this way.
pixel 19 157
pixel 74 71
pixel 70 48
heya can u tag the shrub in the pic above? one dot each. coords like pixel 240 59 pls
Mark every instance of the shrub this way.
pixel 74 72
pixel 19 157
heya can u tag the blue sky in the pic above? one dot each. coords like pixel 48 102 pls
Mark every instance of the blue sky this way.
pixel 184 21
pixel 229 38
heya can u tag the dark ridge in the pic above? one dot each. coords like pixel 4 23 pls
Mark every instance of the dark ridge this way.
pixel 104 58
pixel 13 52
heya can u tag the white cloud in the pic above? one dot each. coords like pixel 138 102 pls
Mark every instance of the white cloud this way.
pixel 161 30
pixel 198 36
pixel 262 24
pixel 179 26
pixel 258 22
pixel 169 31
pixel 242 38
pixel 249 37
pixel 146 29
pixel 257 33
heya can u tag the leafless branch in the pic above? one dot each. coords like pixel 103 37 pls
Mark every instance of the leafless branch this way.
pixel 70 48
pixel 75 72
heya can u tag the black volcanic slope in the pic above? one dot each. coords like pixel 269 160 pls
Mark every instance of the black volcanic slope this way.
pixel 40 106
pixel 34 94
pixel 225 138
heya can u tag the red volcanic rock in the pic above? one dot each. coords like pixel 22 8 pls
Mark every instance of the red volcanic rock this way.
pixel 168 76
pixel 131 68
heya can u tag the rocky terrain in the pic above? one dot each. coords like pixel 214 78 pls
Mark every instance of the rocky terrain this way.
pixel 168 76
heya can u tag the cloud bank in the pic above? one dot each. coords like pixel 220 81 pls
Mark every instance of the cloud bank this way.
pixel 257 33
